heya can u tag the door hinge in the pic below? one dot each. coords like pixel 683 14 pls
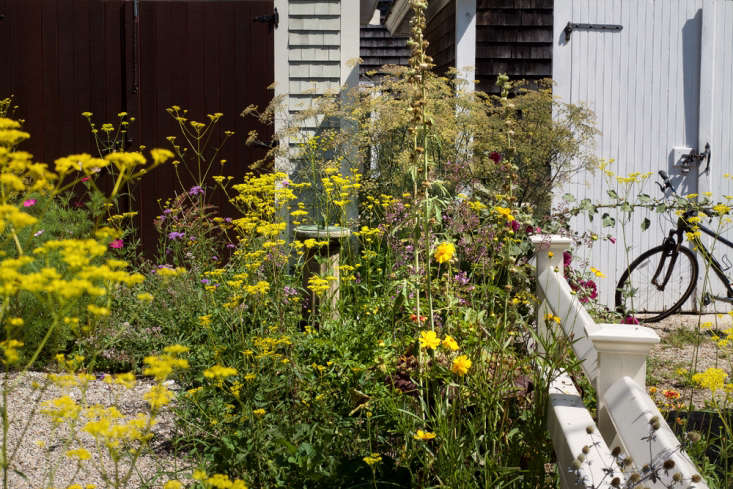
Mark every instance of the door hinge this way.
pixel 273 19
pixel 590 27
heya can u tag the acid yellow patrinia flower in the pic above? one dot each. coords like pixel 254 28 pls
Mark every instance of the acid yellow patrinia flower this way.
pixel 712 379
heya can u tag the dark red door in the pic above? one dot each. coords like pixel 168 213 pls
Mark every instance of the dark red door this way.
pixel 208 57
pixel 63 57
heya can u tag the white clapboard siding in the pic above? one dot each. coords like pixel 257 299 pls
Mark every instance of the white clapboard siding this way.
pixel 643 84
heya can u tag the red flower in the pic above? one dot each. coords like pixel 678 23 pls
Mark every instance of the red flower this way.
pixel 413 318
pixel 85 179
pixel 495 157
pixel 671 394
pixel 630 320
pixel 117 244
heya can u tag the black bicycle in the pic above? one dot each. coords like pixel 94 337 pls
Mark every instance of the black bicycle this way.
pixel 660 280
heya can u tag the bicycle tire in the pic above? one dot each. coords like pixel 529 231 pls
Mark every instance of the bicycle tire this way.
pixel 686 265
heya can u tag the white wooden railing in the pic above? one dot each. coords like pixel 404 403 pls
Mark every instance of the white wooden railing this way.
pixel 613 358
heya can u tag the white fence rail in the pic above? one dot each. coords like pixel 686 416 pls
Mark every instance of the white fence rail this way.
pixel 631 445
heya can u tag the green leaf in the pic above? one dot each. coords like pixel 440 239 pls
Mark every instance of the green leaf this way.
pixel 626 207
pixel 608 221
pixel 644 198
pixel 568 198
pixel 612 193
pixel 645 224
pixel 661 208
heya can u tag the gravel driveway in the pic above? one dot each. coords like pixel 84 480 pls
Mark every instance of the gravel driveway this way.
pixel 39 443
pixel 681 336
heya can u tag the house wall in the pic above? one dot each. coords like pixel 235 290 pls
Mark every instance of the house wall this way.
pixel 441 36
pixel 378 48
pixel 316 49
pixel 643 84
pixel 513 37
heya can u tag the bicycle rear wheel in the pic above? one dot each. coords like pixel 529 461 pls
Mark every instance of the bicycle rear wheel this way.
pixel 637 294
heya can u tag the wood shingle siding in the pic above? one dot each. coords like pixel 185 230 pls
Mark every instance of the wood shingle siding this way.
pixel 441 36
pixel 513 37
pixel 378 48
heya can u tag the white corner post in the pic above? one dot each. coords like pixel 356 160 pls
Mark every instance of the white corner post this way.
pixel 349 56
pixel 622 352
pixel 548 255
pixel 282 53
pixel 465 45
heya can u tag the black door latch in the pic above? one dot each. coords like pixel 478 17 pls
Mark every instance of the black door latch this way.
pixel 273 19
pixel 589 27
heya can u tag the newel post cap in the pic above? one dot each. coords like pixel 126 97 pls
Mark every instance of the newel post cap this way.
pixel 550 241
pixel 623 338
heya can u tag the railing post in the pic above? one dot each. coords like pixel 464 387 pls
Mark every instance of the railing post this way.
pixel 549 250
pixel 622 352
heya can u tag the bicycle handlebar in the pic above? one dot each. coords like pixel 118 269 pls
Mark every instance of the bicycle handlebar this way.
pixel 667 182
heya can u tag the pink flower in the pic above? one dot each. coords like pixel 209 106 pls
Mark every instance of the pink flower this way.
pixel 117 244
pixel 514 225
pixel 29 203
pixel 630 320
pixel 612 239
pixel 85 179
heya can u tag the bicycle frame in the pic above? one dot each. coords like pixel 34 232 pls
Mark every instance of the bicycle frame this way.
pixel 672 250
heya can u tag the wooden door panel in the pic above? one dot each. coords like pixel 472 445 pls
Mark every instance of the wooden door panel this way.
pixel 207 57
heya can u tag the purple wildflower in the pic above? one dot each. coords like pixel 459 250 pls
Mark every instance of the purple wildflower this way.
pixel 174 235
pixel 196 190
pixel 461 278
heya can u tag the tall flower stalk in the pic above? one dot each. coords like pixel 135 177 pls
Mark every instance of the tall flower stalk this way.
pixel 418 73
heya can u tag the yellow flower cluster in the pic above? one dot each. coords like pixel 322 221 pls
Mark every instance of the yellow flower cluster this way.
pixel 461 364
pixel 444 252
pixel 162 366
pixel 219 372
pixel 424 435
pixel 218 481
pixel 712 379
pixel 319 285
pixel 504 212
pixel 372 459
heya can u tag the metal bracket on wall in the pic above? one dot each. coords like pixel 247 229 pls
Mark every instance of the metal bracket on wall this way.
pixel 273 19
pixel 590 27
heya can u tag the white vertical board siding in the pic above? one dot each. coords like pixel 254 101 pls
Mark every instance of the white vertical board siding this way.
pixel 643 85
pixel 716 113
